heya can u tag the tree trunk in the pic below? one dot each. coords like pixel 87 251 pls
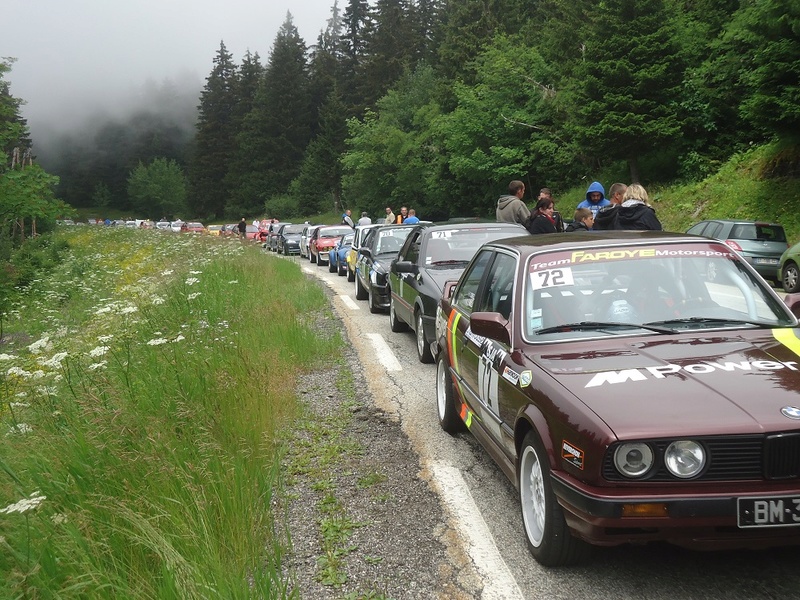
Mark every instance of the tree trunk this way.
pixel 633 165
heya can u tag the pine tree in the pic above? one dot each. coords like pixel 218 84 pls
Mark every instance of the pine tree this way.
pixel 214 140
pixel 357 20
pixel 628 102
pixel 275 133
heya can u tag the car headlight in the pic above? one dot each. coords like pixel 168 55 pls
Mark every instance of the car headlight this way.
pixel 377 275
pixel 633 459
pixel 685 458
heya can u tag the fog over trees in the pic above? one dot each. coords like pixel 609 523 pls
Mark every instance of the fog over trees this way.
pixel 439 103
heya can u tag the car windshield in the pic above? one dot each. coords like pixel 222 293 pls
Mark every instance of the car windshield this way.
pixel 390 241
pixel 293 229
pixel 453 246
pixel 334 232
pixel 640 289
pixel 758 232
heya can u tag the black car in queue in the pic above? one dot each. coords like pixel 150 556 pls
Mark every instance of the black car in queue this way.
pixel 372 264
pixel 433 254
pixel 289 238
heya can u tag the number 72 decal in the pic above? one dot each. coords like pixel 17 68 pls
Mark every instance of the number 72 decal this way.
pixel 551 278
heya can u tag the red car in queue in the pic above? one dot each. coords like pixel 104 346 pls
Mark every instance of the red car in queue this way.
pixel 628 396
pixel 323 239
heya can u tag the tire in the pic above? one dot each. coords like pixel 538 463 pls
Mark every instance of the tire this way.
pixel 373 308
pixel 361 293
pixel 351 275
pixel 312 258
pixel 395 323
pixel 331 267
pixel 341 270
pixel 449 420
pixel 319 261
pixel 549 540
pixel 423 347
pixel 790 278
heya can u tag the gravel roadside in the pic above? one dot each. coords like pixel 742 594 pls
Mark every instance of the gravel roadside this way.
pixel 362 520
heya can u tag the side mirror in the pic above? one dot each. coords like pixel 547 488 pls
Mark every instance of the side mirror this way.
pixel 447 291
pixel 490 325
pixel 365 252
pixel 404 266
pixel 793 302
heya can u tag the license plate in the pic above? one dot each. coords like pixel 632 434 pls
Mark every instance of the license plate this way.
pixel 766 261
pixel 778 511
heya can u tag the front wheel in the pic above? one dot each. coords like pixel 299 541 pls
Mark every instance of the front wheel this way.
pixel 312 258
pixel 361 293
pixel 423 347
pixel 790 279
pixel 331 266
pixel 373 306
pixel 549 539
pixel 449 420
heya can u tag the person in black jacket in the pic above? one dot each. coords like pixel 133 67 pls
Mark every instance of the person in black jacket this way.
pixel 633 214
pixel 542 220
pixel 582 220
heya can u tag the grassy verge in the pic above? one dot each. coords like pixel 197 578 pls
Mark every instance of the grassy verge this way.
pixel 142 387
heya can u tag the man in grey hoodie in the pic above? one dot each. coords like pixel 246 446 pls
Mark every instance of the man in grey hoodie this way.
pixel 511 208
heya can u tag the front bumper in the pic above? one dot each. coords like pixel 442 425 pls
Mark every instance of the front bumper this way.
pixel 702 521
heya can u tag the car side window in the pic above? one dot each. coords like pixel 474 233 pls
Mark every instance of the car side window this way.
pixel 499 290
pixel 464 296
pixel 412 248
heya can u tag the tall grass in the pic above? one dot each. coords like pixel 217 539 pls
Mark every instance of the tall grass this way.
pixel 142 389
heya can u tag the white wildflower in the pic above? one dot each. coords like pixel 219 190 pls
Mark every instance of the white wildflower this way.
pixel 58 519
pixel 20 428
pixel 192 280
pixel 26 504
pixel 157 342
pixel 128 310
pixel 54 362
pixel 19 372
pixel 158 300
pixel 38 374
pixel 98 351
pixel 192 296
pixel 99 365
pixel 180 338
pixel 103 310
pixel 233 281
pixel 39 345
pixel 21 394
pixel 195 272
pixel 104 338
pixel 19 405
pixel 7 357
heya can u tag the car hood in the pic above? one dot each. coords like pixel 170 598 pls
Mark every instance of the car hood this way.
pixel 715 384
pixel 439 276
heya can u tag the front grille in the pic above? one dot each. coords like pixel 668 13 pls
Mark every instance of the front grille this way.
pixel 782 456
pixel 729 459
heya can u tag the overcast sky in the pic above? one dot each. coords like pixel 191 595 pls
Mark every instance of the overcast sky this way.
pixel 75 57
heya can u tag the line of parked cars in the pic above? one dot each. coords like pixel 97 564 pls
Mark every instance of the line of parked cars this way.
pixel 634 386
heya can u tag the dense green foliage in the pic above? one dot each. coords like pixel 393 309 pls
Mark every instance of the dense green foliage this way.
pixel 438 103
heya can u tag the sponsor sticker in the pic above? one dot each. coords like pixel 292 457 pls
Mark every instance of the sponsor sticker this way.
pixel 572 454
pixel 525 379
pixel 510 375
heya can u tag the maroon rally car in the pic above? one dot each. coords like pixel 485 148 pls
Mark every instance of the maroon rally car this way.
pixel 629 397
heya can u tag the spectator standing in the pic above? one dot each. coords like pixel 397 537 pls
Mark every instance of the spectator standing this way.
pixel 634 213
pixel 616 192
pixel 412 218
pixel 595 198
pixel 347 219
pixel 583 220
pixel 402 216
pixel 242 227
pixel 511 208
pixel 364 220
pixel 546 194
pixel 389 216
pixel 542 220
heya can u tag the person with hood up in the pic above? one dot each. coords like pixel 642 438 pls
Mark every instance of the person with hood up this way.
pixel 542 220
pixel 595 198
pixel 634 213
pixel 511 208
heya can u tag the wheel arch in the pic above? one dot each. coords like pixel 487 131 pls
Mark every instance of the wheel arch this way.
pixel 532 419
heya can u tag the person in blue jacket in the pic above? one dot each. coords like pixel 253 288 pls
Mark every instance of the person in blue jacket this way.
pixel 595 198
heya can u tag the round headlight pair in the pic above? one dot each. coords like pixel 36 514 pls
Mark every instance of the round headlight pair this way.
pixel 684 459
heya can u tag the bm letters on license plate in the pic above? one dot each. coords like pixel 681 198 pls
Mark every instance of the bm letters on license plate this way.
pixel 781 511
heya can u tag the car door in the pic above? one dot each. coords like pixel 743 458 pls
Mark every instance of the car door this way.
pixel 407 282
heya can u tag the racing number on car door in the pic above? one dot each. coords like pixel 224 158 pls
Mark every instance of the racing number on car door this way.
pixel 487 383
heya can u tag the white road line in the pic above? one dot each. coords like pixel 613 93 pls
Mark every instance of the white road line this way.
pixel 499 582
pixel 385 355
pixel 349 302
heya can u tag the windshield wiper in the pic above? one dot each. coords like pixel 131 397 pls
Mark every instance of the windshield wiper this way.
pixel 720 320
pixel 589 325
pixel 448 262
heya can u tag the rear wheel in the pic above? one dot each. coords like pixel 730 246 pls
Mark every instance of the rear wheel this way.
pixel 423 347
pixel 395 323
pixel 351 275
pixel 341 269
pixel 790 279
pixel 331 266
pixel 549 539
pixel 445 398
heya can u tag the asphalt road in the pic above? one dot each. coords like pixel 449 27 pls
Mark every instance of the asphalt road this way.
pixel 485 508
